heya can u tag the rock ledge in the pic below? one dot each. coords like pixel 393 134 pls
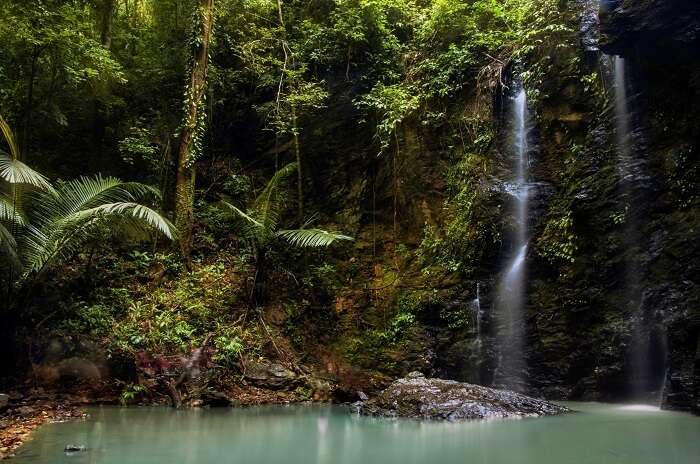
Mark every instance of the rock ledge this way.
pixel 434 399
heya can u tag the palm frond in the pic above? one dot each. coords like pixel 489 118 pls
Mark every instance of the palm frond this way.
pixel 36 250
pixel 241 214
pixel 140 213
pixel 248 226
pixel 8 245
pixel 311 238
pixel 9 211
pixel 270 202
pixel 16 172
pixel 9 138
pixel 60 240
pixel 86 193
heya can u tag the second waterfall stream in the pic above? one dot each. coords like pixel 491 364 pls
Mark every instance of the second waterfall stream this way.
pixel 511 290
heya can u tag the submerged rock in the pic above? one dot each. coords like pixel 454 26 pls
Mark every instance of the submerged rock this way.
pixel 418 397
pixel 75 448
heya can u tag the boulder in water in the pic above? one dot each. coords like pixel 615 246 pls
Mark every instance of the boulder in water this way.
pixel 418 397
pixel 74 448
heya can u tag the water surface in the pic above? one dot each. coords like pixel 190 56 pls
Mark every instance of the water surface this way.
pixel 599 434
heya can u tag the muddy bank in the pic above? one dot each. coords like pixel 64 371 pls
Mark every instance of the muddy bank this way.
pixel 22 415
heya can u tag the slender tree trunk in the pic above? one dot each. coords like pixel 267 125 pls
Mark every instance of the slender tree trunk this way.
pixel 106 15
pixel 260 279
pixel 295 128
pixel 281 18
pixel 108 8
pixel 29 103
pixel 300 175
pixel 196 90
pixel 395 169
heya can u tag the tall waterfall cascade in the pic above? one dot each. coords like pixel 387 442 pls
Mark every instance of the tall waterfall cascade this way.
pixel 511 290
pixel 645 376
pixel 647 349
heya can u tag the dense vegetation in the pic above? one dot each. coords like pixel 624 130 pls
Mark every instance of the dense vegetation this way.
pixel 312 182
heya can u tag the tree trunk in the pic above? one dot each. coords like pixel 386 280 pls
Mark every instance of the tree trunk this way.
pixel 196 90
pixel 106 14
pixel 257 297
pixel 300 176
pixel 108 7
pixel 24 148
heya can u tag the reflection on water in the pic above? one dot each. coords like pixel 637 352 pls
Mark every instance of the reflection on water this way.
pixel 640 407
pixel 600 434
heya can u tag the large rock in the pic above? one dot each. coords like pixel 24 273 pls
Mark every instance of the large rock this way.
pixel 418 397
pixel 4 401
pixel 271 375
pixel 215 399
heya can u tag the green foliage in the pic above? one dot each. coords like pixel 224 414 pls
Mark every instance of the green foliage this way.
pixel 558 243
pixel 619 217
pixel 43 226
pixel 138 146
pixel 473 221
pixel 260 224
pixel 88 320
pixel 259 227
pixel 131 392
pixel 177 317
pixel 229 349
pixel 372 347
pixel 392 104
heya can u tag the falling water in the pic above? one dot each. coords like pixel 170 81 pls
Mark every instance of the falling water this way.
pixel 510 299
pixel 476 313
pixel 623 130
pixel 643 379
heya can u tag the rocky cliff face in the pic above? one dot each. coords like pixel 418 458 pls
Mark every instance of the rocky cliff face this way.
pixel 593 332
pixel 584 322
pixel 651 27
pixel 662 41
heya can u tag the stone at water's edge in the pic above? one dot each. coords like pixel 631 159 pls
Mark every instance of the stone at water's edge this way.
pixel 417 397
pixel 270 375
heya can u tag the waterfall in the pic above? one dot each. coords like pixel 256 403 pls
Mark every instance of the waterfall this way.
pixel 476 313
pixel 646 376
pixel 623 131
pixel 510 297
